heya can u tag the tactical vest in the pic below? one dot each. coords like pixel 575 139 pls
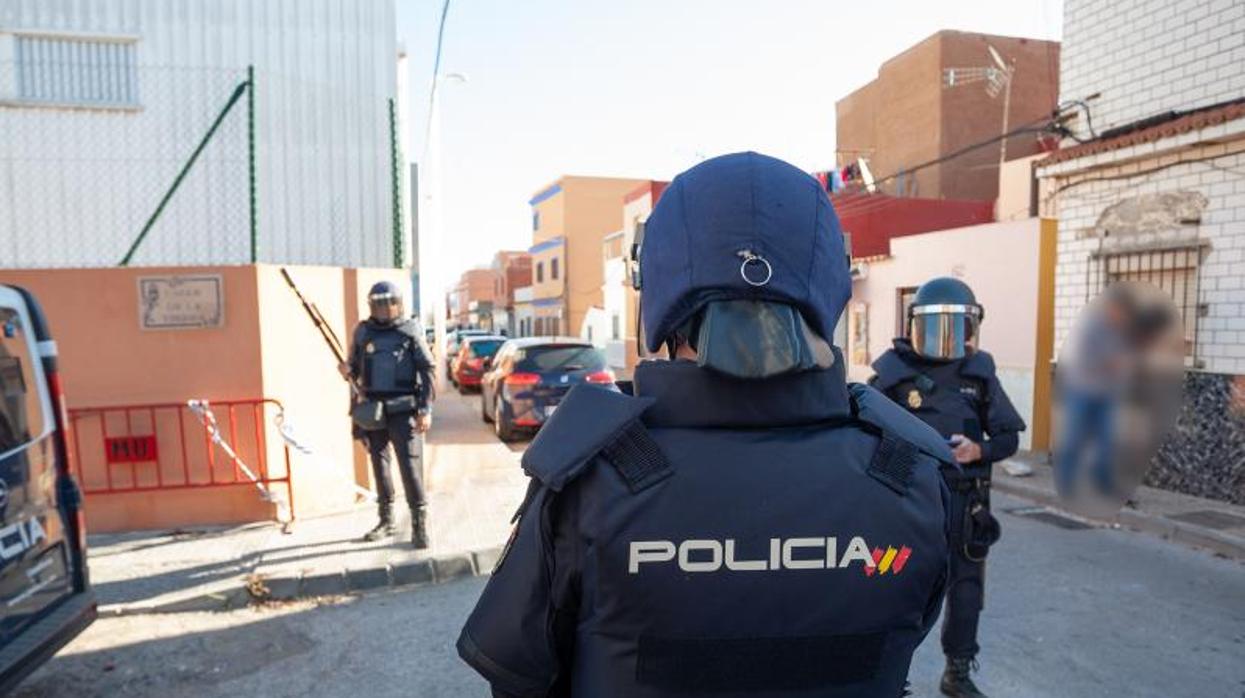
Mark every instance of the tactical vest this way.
pixel 391 358
pixel 784 560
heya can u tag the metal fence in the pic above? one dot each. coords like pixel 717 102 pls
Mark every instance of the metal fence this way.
pixel 103 162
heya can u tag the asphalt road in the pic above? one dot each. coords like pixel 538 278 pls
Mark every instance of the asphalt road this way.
pixel 1092 612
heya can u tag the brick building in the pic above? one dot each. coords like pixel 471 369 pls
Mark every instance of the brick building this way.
pixel 513 270
pixel 474 294
pixel 908 115
pixel 1156 193
pixel 570 219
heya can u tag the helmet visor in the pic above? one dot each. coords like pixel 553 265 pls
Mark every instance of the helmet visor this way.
pixel 385 306
pixel 757 339
pixel 944 331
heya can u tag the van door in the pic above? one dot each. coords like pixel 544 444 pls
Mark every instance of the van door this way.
pixel 34 554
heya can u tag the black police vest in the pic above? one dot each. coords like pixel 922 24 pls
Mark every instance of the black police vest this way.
pixel 391 359
pixel 716 551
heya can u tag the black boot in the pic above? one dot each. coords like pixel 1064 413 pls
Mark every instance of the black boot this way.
pixel 419 528
pixel 956 681
pixel 384 528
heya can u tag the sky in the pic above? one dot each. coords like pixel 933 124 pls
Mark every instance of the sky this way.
pixel 646 89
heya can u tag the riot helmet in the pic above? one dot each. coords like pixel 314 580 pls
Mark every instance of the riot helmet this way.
pixel 743 260
pixel 384 301
pixel 943 319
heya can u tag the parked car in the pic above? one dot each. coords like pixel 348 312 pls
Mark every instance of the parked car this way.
pixel 45 595
pixel 453 342
pixel 529 376
pixel 473 359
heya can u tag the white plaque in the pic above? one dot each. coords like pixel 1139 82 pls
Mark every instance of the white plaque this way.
pixel 181 302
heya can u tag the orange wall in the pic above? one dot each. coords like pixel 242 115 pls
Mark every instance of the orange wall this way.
pixel 107 360
pixel 591 214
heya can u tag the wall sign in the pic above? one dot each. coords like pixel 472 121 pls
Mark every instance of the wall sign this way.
pixel 130 449
pixel 181 302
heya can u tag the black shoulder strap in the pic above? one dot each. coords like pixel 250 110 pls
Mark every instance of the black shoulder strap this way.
pixel 593 421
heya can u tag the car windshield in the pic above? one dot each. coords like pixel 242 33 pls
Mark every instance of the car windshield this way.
pixel 561 357
pixel 484 348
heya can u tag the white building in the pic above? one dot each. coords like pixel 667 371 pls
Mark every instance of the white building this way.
pixel 615 323
pixel 102 103
pixel 1156 193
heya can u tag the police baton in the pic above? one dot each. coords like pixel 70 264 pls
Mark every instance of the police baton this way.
pixel 317 318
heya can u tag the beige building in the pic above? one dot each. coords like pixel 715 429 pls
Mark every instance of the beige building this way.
pixel 570 220
pixel 615 329
pixel 473 298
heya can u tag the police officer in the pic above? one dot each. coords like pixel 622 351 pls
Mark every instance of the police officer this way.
pixel 938 374
pixel 393 368
pixel 744 521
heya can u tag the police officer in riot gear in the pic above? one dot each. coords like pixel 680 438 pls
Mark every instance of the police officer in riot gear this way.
pixel 744 521
pixel 938 374
pixel 393 368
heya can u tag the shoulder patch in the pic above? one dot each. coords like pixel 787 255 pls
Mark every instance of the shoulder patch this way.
pixel 876 409
pixel 589 419
pixel 890 370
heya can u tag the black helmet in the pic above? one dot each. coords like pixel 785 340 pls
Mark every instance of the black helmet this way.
pixel 943 319
pixel 384 300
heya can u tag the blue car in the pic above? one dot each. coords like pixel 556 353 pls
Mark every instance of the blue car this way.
pixel 527 378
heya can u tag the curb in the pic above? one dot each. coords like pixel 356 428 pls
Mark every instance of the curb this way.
pixel 1215 541
pixel 258 588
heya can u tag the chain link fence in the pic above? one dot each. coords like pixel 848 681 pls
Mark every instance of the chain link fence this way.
pixel 103 162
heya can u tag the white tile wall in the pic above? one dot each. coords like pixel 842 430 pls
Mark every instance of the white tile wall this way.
pixel 1150 56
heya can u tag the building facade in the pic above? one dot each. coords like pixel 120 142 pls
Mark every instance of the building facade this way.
pixel 512 270
pixel 570 220
pixel 471 302
pixel 616 328
pixel 103 104
pixel 1152 189
pixel 915 112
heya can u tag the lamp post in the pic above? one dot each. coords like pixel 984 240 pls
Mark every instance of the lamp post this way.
pixel 433 236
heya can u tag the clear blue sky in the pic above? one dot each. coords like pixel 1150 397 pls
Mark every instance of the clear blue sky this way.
pixel 646 88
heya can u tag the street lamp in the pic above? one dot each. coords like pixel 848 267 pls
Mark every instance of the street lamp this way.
pixel 434 272
pixel 998 78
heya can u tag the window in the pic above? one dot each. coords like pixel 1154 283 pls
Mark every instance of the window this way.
pixel 615 326
pixel 555 327
pixel 1174 271
pixel 535 220
pixel 553 268
pixel 589 333
pixel 903 301
pixel 21 402
pixel 76 72
pixel 540 272
pixel 540 327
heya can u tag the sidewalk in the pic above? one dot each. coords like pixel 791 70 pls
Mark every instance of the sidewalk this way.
pixel 1214 525
pixel 475 484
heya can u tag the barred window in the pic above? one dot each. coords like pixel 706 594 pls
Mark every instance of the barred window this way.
pixel 94 72
pixel 1173 270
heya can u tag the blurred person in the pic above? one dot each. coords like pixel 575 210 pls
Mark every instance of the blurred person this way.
pixel 392 366
pixel 940 375
pixel 745 522
pixel 1113 372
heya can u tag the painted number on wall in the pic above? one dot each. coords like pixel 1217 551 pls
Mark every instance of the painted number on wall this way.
pixel 130 449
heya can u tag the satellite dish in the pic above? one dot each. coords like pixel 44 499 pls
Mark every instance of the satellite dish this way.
pixel 998 60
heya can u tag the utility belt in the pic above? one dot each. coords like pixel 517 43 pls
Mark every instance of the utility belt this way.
pixel 370 415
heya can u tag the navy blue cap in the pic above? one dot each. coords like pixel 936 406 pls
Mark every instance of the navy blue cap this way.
pixel 742 226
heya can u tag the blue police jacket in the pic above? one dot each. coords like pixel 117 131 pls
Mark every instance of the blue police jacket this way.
pixel 711 536
pixel 391 360
pixel 954 397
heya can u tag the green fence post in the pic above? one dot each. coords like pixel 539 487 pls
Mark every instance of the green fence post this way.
pixel 177 181
pixel 395 166
pixel 250 145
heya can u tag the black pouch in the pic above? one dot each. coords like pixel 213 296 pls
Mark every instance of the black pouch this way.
pixel 981 529
pixel 405 404
pixel 368 415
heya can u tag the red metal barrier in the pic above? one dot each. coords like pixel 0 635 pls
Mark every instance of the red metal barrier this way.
pixel 155 447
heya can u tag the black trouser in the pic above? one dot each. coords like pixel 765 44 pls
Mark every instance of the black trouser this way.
pixel 408 445
pixel 966 584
